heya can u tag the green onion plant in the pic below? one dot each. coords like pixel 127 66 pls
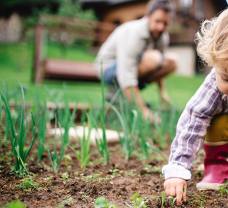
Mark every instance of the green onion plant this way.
pixel 18 133
pixel 83 154
pixel 42 119
pixel 65 120
pixel 102 143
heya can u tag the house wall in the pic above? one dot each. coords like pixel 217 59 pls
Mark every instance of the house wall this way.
pixel 209 10
pixel 11 28
pixel 185 59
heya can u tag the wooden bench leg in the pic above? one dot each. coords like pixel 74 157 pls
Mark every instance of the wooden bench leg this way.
pixel 38 66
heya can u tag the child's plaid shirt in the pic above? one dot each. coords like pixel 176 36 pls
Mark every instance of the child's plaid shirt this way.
pixel 192 126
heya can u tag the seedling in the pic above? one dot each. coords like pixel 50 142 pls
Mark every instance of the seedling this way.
pixel 65 176
pixel 163 199
pixel 138 201
pixel 167 201
pixel 102 202
pixel 15 204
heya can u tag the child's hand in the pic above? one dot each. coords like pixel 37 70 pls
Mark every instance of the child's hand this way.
pixel 176 187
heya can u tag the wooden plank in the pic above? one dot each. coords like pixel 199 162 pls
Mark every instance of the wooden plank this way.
pixel 70 70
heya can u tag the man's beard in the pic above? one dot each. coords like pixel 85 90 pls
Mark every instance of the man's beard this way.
pixel 156 35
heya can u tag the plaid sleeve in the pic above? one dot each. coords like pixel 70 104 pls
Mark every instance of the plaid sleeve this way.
pixel 192 127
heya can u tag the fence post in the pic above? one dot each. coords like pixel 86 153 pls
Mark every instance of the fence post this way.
pixel 38 62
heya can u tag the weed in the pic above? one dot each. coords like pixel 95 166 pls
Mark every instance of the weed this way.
pixel 28 184
pixel 223 190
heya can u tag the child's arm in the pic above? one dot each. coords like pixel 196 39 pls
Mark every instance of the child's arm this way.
pixel 191 129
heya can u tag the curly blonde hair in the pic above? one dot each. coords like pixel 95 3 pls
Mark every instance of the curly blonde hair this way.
pixel 212 41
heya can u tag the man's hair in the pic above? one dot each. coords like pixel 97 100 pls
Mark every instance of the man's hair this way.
pixel 154 5
pixel 212 41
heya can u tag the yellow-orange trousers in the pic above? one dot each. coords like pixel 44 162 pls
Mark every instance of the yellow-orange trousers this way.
pixel 217 132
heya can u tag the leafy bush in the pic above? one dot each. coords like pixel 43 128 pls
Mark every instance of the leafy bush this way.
pixel 70 8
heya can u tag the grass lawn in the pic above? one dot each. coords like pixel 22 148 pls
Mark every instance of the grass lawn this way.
pixel 16 67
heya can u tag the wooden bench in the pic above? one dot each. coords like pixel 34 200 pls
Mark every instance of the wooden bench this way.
pixel 62 69
pixel 59 69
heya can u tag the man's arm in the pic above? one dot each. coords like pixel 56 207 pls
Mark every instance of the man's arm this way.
pixel 129 46
pixel 133 95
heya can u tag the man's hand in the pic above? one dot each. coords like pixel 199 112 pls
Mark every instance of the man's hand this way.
pixel 150 116
pixel 133 94
pixel 176 187
pixel 165 99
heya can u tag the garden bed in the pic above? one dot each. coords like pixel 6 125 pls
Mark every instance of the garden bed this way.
pixel 44 170
pixel 121 182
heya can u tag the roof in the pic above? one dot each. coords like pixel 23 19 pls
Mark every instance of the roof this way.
pixel 106 3
pixel 102 6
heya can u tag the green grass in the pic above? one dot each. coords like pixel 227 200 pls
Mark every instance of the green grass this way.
pixel 16 62
pixel 180 89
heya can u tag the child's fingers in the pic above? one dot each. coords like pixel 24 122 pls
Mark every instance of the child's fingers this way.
pixel 185 192
pixel 179 194
pixel 169 188
pixel 170 191
pixel 177 188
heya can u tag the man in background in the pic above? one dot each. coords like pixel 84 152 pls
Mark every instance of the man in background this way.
pixel 133 55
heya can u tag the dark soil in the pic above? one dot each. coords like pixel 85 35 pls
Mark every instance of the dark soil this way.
pixel 117 181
